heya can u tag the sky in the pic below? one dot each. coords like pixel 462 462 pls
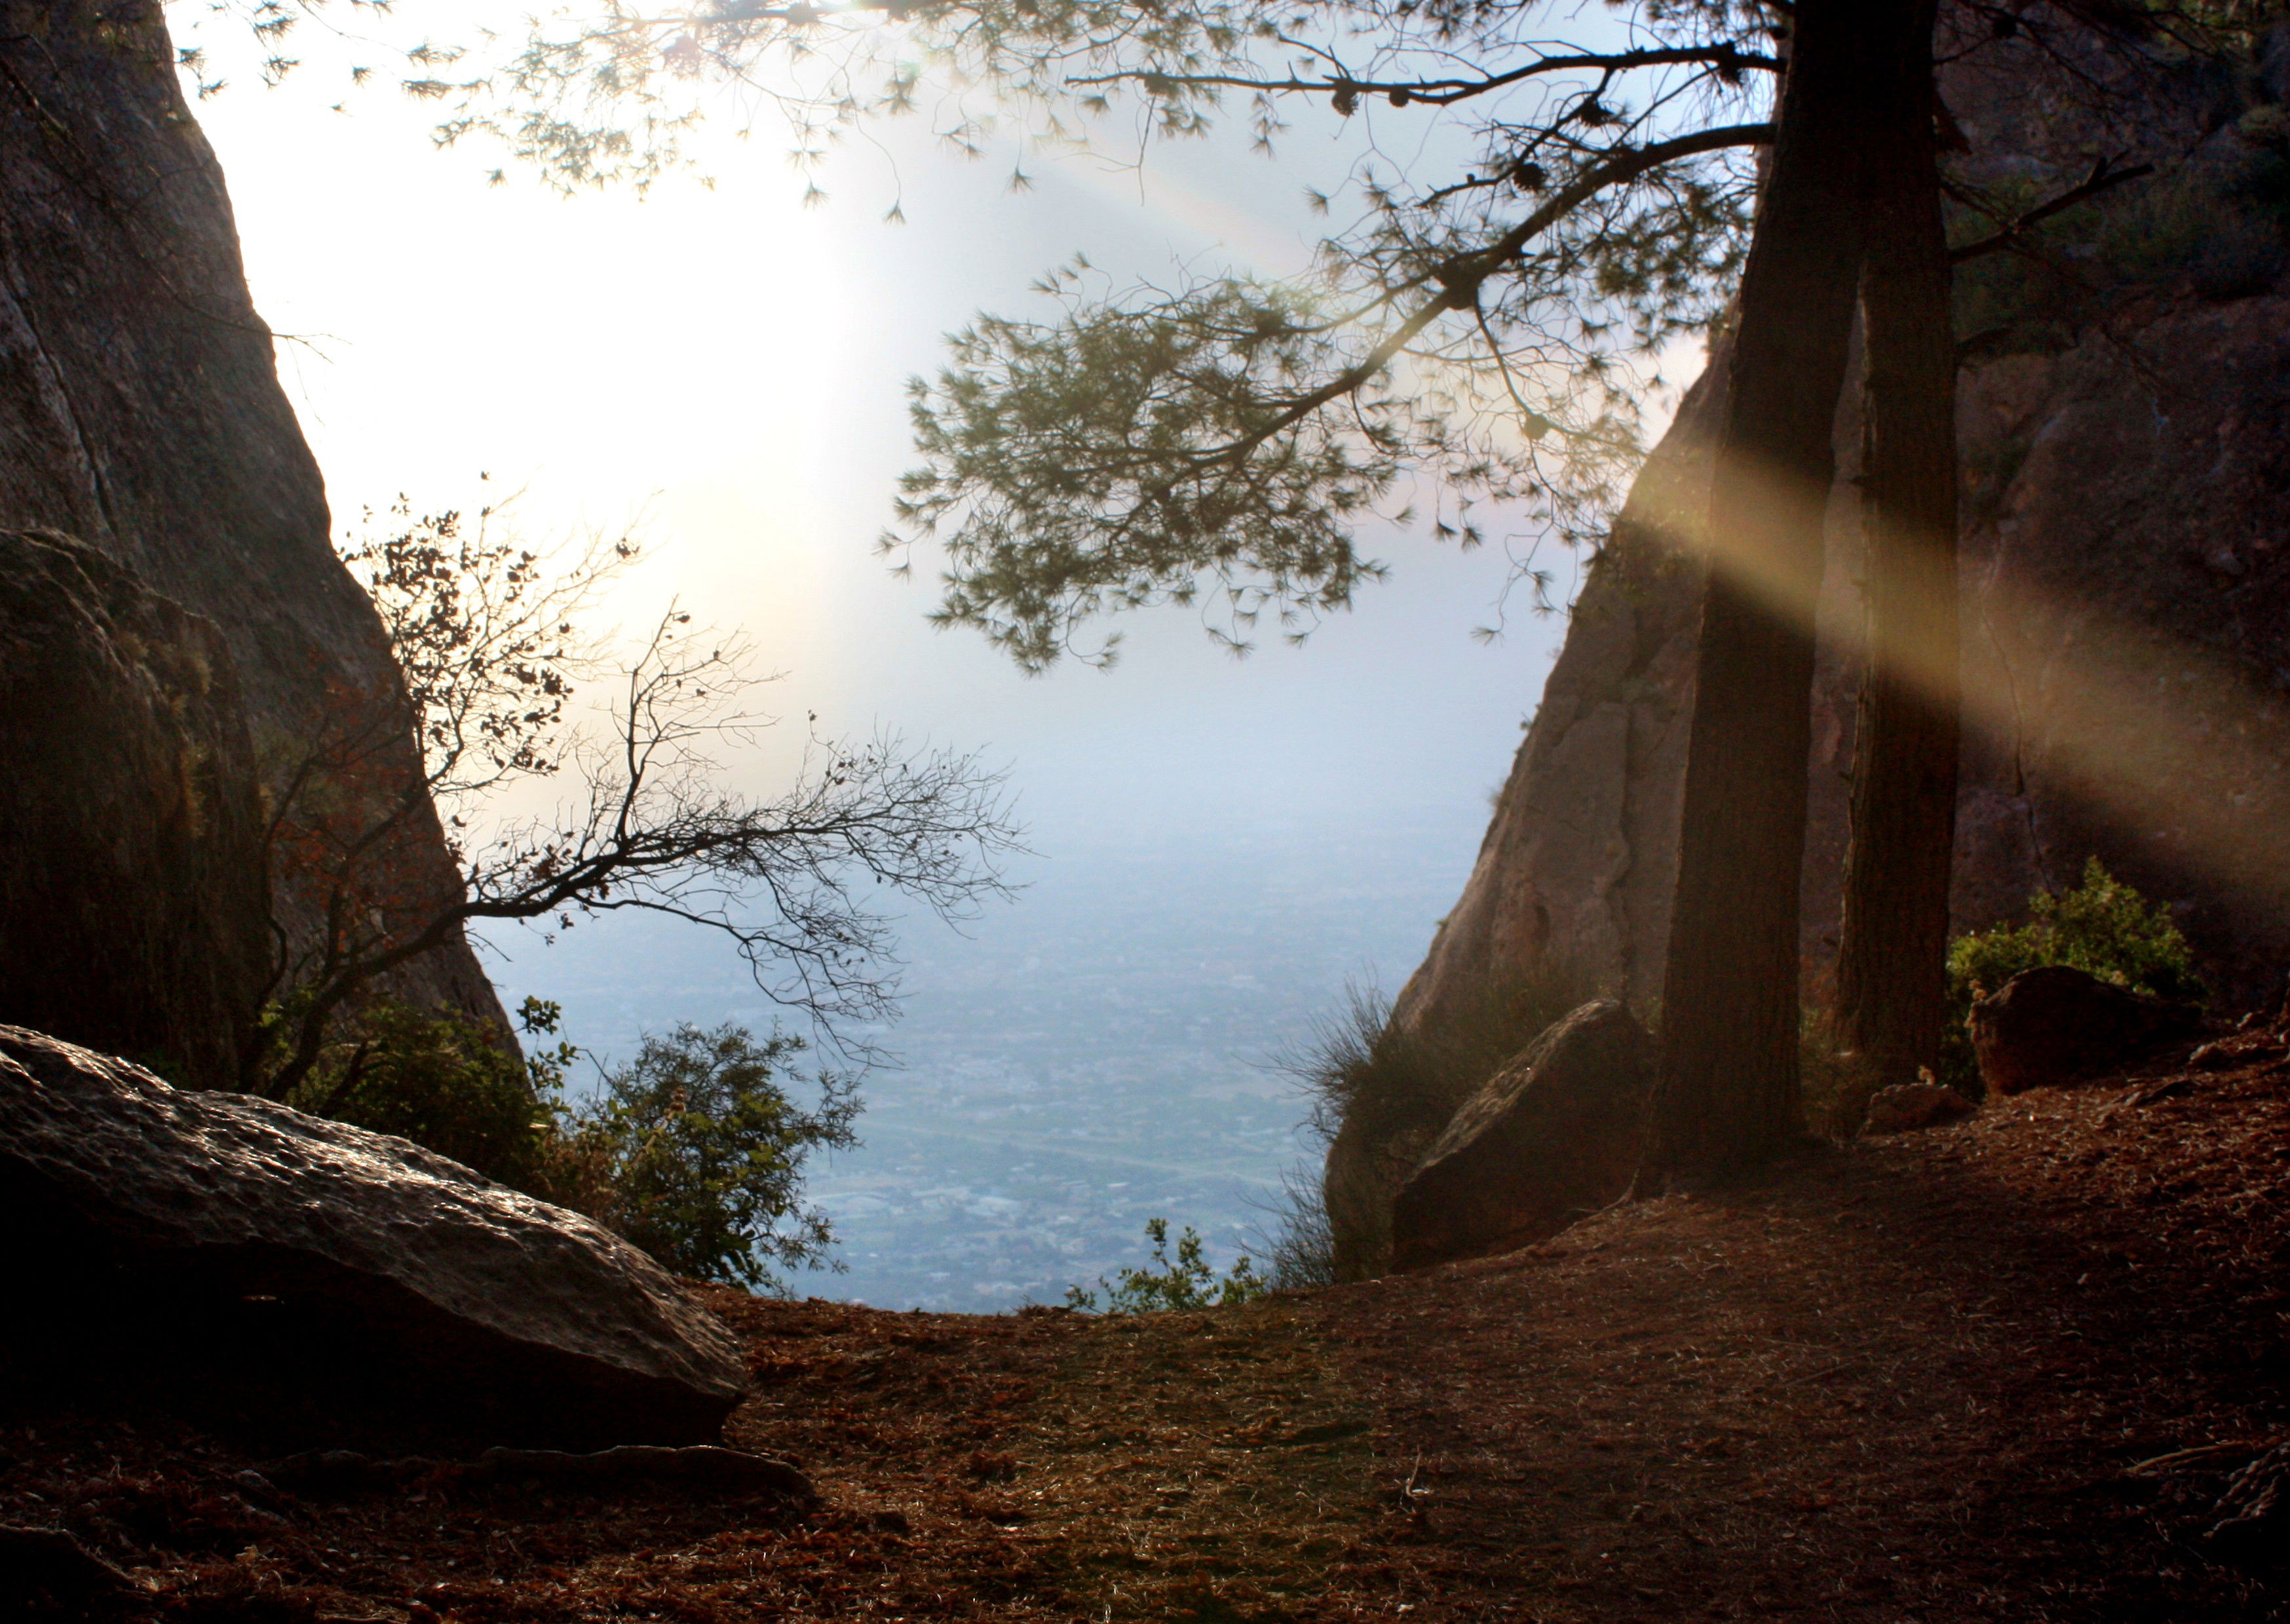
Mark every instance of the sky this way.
pixel 724 369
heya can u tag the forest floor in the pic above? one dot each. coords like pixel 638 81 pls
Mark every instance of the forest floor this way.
pixel 1926 1377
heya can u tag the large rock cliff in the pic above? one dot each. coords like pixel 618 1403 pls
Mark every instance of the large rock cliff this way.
pixel 132 909
pixel 2126 586
pixel 139 404
pixel 2126 602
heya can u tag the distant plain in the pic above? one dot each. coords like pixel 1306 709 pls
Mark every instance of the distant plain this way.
pixel 1101 1053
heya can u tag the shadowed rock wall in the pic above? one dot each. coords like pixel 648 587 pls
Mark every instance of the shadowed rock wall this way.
pixel 133 913
pixel 140 405
pixel 2126 659
pixel 2126 557
pixel 2125 579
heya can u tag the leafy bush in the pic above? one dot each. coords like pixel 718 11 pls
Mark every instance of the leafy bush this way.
pixel 694 1151
pixel 448 1084
pixel 1187 1282
pixel 2102 927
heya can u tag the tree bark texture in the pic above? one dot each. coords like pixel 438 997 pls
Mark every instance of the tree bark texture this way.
pixel 1727 1096
pixel 1891 970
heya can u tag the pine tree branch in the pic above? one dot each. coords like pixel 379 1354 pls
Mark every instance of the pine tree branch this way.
pixel 2103 178
pixel 1725 59
pixel 1460 278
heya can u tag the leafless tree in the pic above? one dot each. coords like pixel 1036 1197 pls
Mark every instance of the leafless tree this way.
pixel 488 644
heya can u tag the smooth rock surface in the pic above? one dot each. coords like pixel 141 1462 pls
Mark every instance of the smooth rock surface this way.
pixel 2055 1025
pixel 1552 1137
pixel 1907 1108
pixel 399 1266
pixel 134 916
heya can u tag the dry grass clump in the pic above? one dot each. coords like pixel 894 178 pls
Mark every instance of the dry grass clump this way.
pixel 1360 1070
pixel 1379 1092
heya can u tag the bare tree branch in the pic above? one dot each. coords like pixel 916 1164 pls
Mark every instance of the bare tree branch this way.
pixel 794 881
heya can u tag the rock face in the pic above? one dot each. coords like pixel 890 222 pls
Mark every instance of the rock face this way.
pixel 1367 1165
pixel 133 913
pixel 1581 856
pixel 381 1263
pixel 140 405
pixel 2125 584
pixel 2126 613
pixel 1907 1108
pixel 1553 1136
pixel 2055 1025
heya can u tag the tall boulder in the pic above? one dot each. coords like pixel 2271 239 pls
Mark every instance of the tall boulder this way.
pixel 226 1232
pixel 2055 1024
pixel 133 912
pixel 1552 1137
pixel 139 404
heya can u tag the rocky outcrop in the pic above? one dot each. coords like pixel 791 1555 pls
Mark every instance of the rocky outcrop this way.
pixel 2128 626
pixel 2055 1025
pixel 133 912
pixel 2125 584
pixel 1552 1137
pixel 2126 607
pixel 371 1266
pixel 1909 1107
pixel 2126 577
pixel 1594 786
pixel 140 405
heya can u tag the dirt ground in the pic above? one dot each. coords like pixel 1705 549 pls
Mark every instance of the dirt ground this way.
pixel 1999 1371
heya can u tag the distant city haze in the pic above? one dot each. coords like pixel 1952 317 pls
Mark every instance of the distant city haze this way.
pixel 1221 844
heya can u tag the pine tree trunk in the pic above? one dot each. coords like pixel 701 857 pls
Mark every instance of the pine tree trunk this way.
pixel 1727 1097
pixel 1891 974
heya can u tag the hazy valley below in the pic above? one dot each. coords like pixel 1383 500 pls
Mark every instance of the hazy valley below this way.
pixel 1095 1055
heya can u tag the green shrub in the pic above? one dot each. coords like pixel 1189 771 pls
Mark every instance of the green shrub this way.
pixel 448 1084
pixel 1186 1282
pixel 2102 927
pixel 694 1151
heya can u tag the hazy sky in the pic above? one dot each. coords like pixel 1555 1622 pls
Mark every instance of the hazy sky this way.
pixel 730 366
